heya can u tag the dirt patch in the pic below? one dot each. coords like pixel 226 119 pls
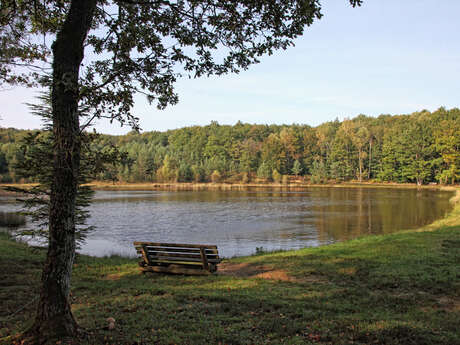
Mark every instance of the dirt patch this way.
pixel 115 276
pixel 264 272
pixel 242 270
pixel 276 275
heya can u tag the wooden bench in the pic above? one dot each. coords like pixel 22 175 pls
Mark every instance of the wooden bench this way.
pixel 195 259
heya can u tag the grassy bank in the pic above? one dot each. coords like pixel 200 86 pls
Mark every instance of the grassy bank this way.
pixel 402 288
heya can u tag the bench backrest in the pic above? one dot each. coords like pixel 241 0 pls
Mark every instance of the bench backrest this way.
pixel 192 255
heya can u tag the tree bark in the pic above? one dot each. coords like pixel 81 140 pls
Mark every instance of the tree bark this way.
pixel 370 159
pixel 54 317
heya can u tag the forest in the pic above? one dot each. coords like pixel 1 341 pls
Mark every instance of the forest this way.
pixel 422 148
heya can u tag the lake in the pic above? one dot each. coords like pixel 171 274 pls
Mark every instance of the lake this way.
pixel 238 222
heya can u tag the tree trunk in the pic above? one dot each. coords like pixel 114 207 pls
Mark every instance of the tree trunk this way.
pixel 54 317
pixel 370 159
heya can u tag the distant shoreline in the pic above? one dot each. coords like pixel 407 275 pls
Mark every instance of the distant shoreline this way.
pixel 173 186
pixel 191 186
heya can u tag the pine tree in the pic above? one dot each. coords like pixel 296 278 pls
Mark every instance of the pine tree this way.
pixel 297 168
pixel 36 166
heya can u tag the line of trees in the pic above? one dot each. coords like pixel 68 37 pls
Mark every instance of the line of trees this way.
pixel 422 147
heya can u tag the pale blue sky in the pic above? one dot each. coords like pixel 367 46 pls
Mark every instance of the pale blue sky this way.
pixel 387 57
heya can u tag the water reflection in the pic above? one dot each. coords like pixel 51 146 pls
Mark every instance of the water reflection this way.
pixel 240 221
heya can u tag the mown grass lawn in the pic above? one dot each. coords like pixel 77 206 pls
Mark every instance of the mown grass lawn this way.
pixel 402 288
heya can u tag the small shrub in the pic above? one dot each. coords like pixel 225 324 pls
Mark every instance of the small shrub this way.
pixel 216 176
pixel 264 171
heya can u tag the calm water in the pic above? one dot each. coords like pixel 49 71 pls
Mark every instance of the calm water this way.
pixel 240 221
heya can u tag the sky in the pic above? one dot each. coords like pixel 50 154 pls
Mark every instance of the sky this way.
pixel 386 57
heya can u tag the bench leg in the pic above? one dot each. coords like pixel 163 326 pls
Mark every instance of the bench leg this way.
pixel 204 259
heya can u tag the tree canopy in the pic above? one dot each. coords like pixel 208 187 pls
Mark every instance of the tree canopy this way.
pixel 422 147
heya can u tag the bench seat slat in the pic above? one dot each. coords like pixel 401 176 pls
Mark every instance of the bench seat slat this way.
pixel 161 250
pixel 156 244
pixel 173 258
pixel 177 262
pixel 180 255
pixel 179 250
